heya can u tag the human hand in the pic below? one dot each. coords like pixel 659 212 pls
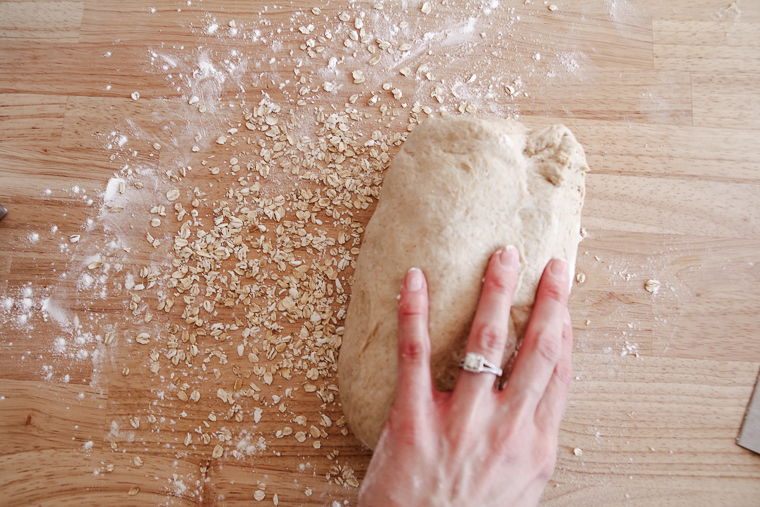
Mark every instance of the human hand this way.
pixel 476 446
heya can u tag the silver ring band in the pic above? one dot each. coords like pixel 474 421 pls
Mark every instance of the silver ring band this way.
pixel 477 363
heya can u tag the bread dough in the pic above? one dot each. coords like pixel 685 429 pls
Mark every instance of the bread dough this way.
pixel 459 189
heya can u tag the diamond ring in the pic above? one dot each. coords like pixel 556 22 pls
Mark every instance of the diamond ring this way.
pixel 477 363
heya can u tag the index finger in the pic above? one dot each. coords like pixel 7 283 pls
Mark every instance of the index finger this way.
pixel 542 346
pixel 415 386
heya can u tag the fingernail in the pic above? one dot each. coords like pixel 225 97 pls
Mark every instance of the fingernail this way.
pixel 510 258
pixel 413 281
pixel 559 269
pixel 567 317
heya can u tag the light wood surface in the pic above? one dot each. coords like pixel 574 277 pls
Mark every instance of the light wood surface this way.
pixel 663 95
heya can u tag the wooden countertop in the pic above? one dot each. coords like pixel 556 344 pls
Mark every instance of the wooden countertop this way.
pixel 663 95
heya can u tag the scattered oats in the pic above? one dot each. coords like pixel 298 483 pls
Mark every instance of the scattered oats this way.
pixel 135 95
pixel 143 338
pixel 308 492
pixel 471 108
pixel 405 71
pixel 578 451
pixel 218 451
pixel 194 99
pixel 172 194
pixel 134 489
pixel 188 439
pixel 155 222
pixel 397 94
pixel 316 11
pixel 138 461
pixel 301 436
pixel 327 86
pixel 317 444
pixel 584 232
pixel 580 277
pixel 358 76
pixel 553 7
pixel 259 495
pixel 110 468
pixel 135 422
pixel 195 149
pixel 652 286
pixel 275 500
pixel 138 185
pixel 588 322
pixel 156 146
pixel 404 47
pixel 221 140
pixel 125 371
pixel 94 265
pixel 375 59
pixel 115 209
pixel 344 16
pixel 74 238
pixel 426 8
pixel 108 339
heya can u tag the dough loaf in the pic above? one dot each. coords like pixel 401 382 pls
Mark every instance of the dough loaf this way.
pixel 459 189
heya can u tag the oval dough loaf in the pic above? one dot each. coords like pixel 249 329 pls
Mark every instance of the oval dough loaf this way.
pixel 459 189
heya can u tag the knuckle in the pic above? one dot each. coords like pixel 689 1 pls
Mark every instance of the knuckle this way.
pixel 501 281
pixel 548 347
pixel 412 350
pixel 564 374
pixel 490 339
pixel 401 428
pixel 411 307
pixel 554 289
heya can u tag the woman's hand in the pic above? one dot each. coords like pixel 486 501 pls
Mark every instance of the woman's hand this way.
pixel 476 446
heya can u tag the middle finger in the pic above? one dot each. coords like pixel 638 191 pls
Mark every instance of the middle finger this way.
pixel 488 335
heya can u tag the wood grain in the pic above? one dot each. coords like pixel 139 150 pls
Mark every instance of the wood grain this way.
pixel 663 96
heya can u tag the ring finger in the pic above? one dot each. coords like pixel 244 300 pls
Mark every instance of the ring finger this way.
pixel 488 335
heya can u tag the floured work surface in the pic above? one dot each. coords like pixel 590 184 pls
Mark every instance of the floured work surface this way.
pixel 663 99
